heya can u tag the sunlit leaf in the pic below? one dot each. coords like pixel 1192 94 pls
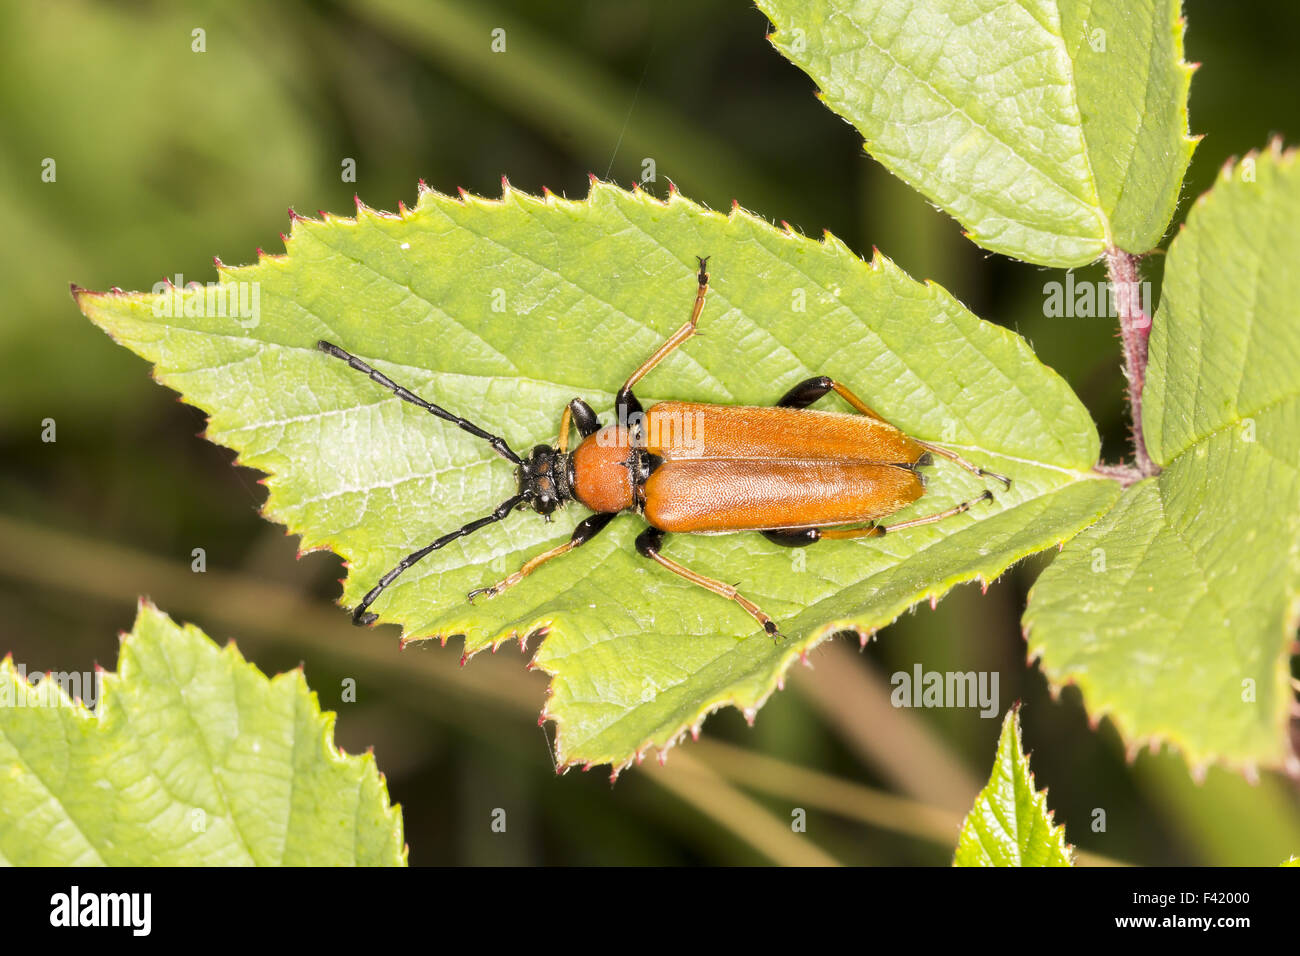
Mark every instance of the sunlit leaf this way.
pixel 1010 824
pixel 1175 613
pixel 1051 129
pixel 191 756
pixel 504 311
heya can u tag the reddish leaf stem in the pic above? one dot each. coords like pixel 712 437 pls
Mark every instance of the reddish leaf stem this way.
pixel 1134 330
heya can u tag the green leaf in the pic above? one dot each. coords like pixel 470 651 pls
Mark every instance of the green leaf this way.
pixel 1010 824
pixel 1175 613
pixel 505 310
pixel 191 756
pixel 1051 129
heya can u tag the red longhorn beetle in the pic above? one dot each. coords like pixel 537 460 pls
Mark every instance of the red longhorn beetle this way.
pixel 796 475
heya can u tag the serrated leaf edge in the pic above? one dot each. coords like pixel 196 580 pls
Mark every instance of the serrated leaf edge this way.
pixel 1198 765
pixel 1185 70
pixel 148 612
pixel 1010 738
pixel 541 625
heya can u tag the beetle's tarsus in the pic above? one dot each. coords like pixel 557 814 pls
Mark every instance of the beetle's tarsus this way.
pixel 477 592
pixel 1006 482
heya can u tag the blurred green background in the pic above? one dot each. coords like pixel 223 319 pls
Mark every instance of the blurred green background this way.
pixel 166 157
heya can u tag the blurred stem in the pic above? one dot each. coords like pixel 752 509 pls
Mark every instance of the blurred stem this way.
pixel 66 562
pixel 805 787
pixel 852 801
pixel 700 785
pixel 61 561
pixel 854 698
pixel 560 96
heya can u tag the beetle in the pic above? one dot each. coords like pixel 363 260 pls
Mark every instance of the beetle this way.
pixel 794 474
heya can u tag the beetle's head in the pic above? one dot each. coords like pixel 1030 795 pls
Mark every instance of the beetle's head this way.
pixel 545 479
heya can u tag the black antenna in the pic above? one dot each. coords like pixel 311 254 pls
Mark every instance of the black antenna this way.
pixel 359 615
pixel 498 444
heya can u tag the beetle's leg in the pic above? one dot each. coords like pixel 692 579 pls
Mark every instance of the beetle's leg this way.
pixel 793 537
pixel 674 340
pixel 359 613
pixel 562 443
pixel 649 542
pixel 961 462
pixel 579 412
pixel 584 532
pixel 802 537
pixel 809 391
pixel 576 412
pixel 876 530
